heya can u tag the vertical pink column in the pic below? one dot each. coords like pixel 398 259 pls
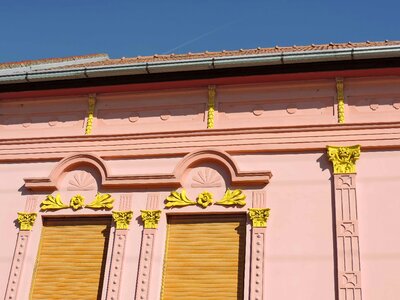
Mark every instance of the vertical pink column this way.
pixel 26 220
pixel 122 220
pixel 258 216
pixel 347 237
pixel 150 218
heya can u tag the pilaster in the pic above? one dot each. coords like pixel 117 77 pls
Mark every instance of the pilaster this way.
pixel 346 218
pixel 150 218
pixel 258 216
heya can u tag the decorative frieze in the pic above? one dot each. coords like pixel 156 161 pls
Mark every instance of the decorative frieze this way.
pixel 204 199
pixel 101 201
pixel 122 219
pixel 346 217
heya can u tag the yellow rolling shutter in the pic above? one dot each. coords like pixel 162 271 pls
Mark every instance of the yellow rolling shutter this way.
pixel 71 259
pixel 204 257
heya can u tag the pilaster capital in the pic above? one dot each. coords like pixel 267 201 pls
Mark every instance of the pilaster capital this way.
pixel 259 217
pixel 26 220
pixel 122 219
pixel 150 218
pixel 344 158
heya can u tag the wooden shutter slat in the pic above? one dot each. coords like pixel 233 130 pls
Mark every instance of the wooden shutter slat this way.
pixel 70 263
pixel 204 257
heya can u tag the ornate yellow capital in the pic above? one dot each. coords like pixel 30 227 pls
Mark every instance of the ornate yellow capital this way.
pixel 259 217
pixel 344 158
pixel 122 218
pixel 340 99
pixel 26 220
pixel 150 218
pixel 89 122
pixel 211 106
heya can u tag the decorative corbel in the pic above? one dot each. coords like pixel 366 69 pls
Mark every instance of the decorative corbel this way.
pixel 89 122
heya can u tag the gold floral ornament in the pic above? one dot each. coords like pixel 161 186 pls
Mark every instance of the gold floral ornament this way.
pixel 101 201
pixel 205 199
pixel 150 218
pixel 259 217
pixel 77 202
pixel 235 197
pixel 344 158
pixel 52 203
pixel 178 199
pixel 26 220
pixel 122 219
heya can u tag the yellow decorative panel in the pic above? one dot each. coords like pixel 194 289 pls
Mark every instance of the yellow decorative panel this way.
pixel 204 257
pixel 71 259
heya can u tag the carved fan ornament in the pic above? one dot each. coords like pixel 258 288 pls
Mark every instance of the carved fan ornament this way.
pixel 101 201
pixel 206 177
pixel 204 199
pixel 82 181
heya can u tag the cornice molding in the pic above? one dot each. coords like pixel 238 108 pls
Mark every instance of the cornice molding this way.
pixel 171 180
pixel 251 140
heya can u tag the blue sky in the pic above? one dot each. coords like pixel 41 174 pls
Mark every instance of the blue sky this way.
pixel 56 28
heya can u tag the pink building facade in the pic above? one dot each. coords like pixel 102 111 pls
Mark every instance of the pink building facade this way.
pixel 299 146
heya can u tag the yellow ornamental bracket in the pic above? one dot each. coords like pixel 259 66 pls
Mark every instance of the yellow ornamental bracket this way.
pixel 26 220
pixel 122 219
pixel 52 203
pixel 104 201
pixel 211 106
pixel 178 199
pixel 259 217
pixel 235 197
pixel 344 158
pixel 340 99
pixel 150 218
pixel 89 122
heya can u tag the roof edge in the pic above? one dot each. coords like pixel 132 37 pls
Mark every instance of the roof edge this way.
pixel 282 58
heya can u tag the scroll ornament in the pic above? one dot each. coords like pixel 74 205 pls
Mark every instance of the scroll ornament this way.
pixel 150 218
pixel 259 217
pixel 101 201
pixel 26 220
pixel 204 199
pixel 344 158
pixel 122 219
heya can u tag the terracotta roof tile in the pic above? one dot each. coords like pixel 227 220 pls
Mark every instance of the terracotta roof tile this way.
pixel 28 63
pixel 244 52
pixel 189 56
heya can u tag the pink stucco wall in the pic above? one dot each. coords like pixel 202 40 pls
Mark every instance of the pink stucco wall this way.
pixel 282 127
